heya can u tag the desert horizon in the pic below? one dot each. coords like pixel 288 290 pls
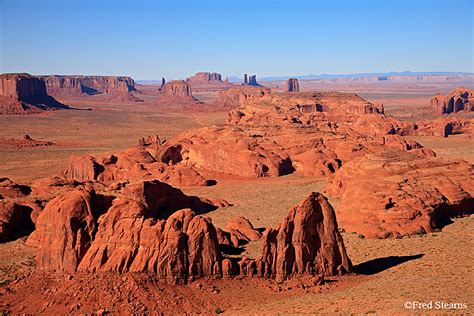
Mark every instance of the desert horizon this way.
pixel 237 158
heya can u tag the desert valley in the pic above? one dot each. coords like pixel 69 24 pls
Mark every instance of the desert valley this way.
pixel 244 157
pixel 205 196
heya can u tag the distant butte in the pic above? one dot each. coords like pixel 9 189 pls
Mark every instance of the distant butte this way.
pixel 24 93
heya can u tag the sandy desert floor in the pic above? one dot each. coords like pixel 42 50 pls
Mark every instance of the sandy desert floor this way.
pixel 433 267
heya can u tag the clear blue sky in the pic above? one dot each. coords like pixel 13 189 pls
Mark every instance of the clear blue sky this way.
pixel 150 39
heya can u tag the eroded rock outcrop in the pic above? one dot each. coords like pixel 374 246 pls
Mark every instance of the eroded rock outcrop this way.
pixel 178 88
pixel 81 229
pixel 148 228
pixel 23 93
pixel 306 242
pixel 133 164
pixel 458 100
pixel 237 96
pixel 411 194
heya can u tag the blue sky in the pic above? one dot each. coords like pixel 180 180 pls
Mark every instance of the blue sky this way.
pixel 150 39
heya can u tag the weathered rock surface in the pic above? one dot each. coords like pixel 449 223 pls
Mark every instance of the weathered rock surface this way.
pixel 410 194
pixel 271 151
pixel 292 85
pixel 115 88
pixel 80 228
pixel 458 100
pixel 237 96
pixel 133 164
pixel 306 242
pixel 177 92
pixel 151 227
pixel 23 93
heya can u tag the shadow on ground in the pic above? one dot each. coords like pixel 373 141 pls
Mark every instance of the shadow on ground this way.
pixel 381 264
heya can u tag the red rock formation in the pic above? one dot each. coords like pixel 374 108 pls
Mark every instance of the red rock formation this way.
pixel 303 108
pixel 23 93
pixel 458 100
pixel 25 141
pixel 253 80
pixel 306 242
pixel 178 249
pixel 292 85
pixel 77 85
pixel 138 232
pixel 241 230
pixel 411 194
pixel 133 164
pixel 178 88
pixel 205 77
pixel 130 236
pixel 235 97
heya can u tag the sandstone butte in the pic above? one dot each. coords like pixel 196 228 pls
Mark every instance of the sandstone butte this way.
pixel 177 92
pixel 23 93
pixel 458 100
pixel 152 227
pixel 117 89
pixel 292 85
pixel 208 82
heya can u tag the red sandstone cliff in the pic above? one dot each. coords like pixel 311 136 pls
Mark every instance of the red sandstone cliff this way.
pixel 24 93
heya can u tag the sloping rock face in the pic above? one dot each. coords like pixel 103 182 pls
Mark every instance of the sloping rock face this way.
pixel 458 100
pixel 306 242
pixel 271 151
pixel 292 85
pixel 23 93
pixel 64 230
pixel 304 108
pixel 411 194
pixel 115 88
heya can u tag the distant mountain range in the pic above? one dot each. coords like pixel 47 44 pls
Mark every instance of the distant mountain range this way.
pixel 364 75
pixel 235 79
